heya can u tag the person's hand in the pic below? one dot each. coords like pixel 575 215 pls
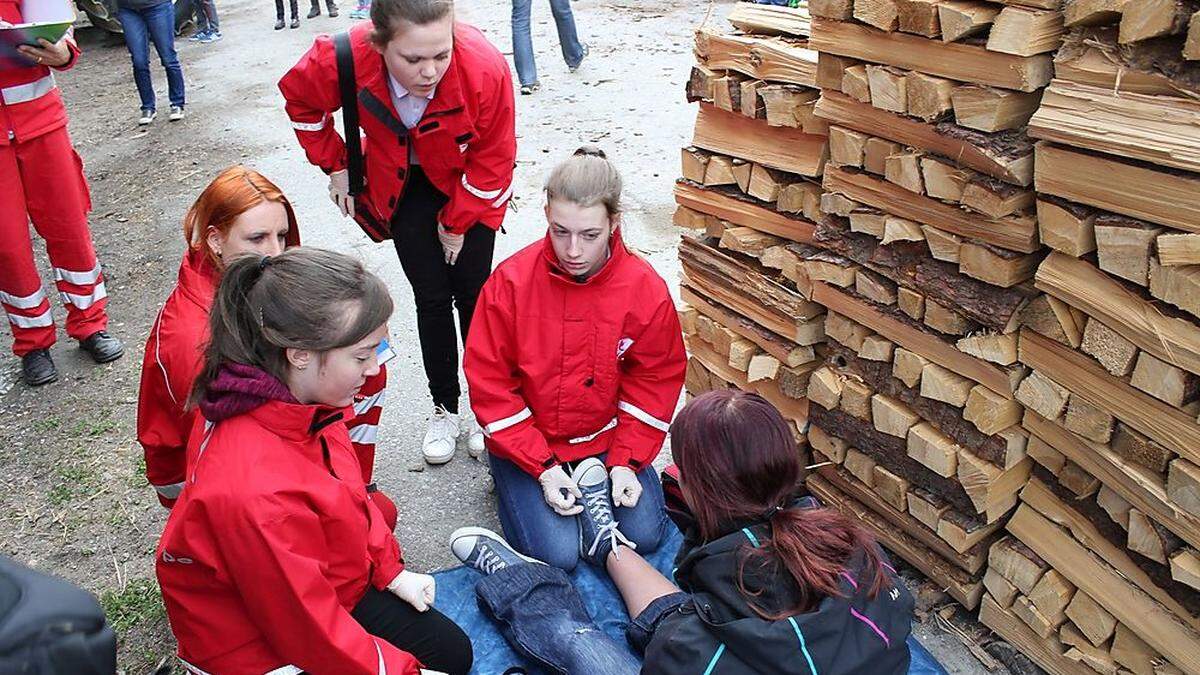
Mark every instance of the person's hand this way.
pixel 562 494
pixel 416 589
pixel 53 54
pixel 451 244
pixel 626 489
pixel 339 192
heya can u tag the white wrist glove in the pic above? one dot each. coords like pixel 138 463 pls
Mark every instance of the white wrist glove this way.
pixel 339 192
pixel 417 590
pixel 626 489
pixel 451 244
pixel 560 491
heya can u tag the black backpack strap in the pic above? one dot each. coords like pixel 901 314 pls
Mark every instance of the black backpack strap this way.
pixel 348 89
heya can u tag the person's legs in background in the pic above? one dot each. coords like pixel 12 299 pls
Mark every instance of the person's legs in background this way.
pixel 208 25
pixel 568 38
pixel 137 41
pixel 437 642
pixel 522 41
pixel 529 524
pixel 160 20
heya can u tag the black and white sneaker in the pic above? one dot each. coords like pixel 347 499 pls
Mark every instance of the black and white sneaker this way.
pixel 485 550
pixel 598 531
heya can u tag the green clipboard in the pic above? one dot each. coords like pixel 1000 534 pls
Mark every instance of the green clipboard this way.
pixel 29 33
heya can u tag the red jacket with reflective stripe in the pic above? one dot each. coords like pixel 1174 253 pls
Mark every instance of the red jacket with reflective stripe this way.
pixel 272 544
pixel 561 370
pixel 173 358
pixel 30 103
pixel 466 141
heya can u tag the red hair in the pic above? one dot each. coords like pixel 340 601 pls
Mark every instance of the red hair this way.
pixel 738 462
pixel 233 192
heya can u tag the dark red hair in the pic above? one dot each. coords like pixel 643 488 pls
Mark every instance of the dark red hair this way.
pixel 738 461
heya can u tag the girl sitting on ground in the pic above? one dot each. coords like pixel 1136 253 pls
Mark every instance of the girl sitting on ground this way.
pixel 767 581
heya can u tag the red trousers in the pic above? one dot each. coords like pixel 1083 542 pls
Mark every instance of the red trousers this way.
pixel 41 180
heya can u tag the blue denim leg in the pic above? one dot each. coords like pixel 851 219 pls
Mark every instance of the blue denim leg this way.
pixel 137 40
pixel 641 630
pixel 523 43
pixel 568 38
pixel 161 21
pixel 529 524
pixel 543 617
pixel 646 523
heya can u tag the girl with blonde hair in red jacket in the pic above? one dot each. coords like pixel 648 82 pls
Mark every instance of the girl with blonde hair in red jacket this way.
pixel 274 559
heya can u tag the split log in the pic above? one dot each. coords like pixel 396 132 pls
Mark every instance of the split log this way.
pixel 762 367
pixel 892 489
pixel 856 400
pixel 1043 395
pixel 933 449
pixel 776 147
pixel 889 88
pixel 1046 652
pixel 990 109
pixel 881 14
pixel 769 59
pixel 832 447
pixel 787 352
pixel 1178 249
pixel 869 222
pixel 1183 485
pixel 1090 618
pixel 875 287
pixel 1046 455
pixel 831 69
pixel 927 507
pixel 1191 47
pixel 998 348
pixel 942 180
pixel 996 266
pixel 1165 382
pixel 877 348
pixel 996 199
pixel 770 20
pixel 1145 19
pixel 801 197
pixel 1092 12
pixel 907 367
pixel 990 412
pixel 1133 652
pixel 904 169
pixel 695 162
pixel 750 105
pixel 1066 227
pixel 919 17
pixel 844 331
pixel 701 83
pixel 783 103
pixel 1088 421
pixel 1001 589
pixel 1104 344
pixel 943 246
pixel 929 97
pixel 738 209
pixel 718 171
pixel 765 184
pixel 1115 506
pixel 1150 539
pixel 1053 318
pixel 1179 285
pixel 878 150
pixel 1017 563
pixel 901 229
pixel 846 146
pixel 963 18
pixel 856 84
pixel 944 320
pixel 1136 447
pixel 1025 32
pixel 861 466
pixel 940 384
pixel 839 10
pixel 1051 595
pixel 1185 567
pixel 1124 247
pixel 1081 650
pixel 911 303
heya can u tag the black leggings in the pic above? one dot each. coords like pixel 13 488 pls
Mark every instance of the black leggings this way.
pixel 436 641
pixel 438 288
pixel 279 9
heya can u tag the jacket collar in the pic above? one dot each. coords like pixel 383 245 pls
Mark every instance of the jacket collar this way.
pixel 617 255
pixel 297 421
pixel 372 74
pixel 198 279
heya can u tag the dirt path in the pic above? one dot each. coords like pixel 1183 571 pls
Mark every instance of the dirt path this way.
pixel 73 498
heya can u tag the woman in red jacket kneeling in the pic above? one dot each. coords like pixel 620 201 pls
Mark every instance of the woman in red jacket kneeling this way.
pixel 274 559
pixel 579 355
pixel 241 211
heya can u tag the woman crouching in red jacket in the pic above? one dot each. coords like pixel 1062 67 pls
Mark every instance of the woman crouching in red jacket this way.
pixel 241 211
pixel 274 559
pixel 579 355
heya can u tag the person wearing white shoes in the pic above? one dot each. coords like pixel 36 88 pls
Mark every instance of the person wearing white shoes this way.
pixel 577 353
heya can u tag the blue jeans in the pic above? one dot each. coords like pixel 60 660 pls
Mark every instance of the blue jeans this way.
pixel 155 24
pixel 533 528
pixel 543 617
pixel 568 39
pixel 206 16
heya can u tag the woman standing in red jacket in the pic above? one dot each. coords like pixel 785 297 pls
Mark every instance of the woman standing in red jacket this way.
pixel 274 559
pixel 41 181
pixel 435 103
pixel 577 353
pixel 240 212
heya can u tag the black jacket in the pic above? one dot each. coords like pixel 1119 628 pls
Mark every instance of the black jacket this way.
pixel 716 632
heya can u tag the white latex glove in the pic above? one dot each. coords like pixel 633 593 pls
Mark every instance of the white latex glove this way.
pixel 339 192
pixel 626 489
pixel 451 244
pixel 416 589
pixel 562 494
pixel 424 671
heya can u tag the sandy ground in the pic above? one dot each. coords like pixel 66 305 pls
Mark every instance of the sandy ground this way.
pixel 72 494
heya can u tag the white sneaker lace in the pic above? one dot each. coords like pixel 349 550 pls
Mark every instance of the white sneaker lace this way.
pixel 598 508
pixel 490 561
pixel 443 426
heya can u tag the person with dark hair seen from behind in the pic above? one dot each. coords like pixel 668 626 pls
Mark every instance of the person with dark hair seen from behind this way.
pixel 767 581
pixel 435 101
pixel 574 372
pixel 275 559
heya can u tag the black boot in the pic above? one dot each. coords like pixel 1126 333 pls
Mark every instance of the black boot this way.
pixel 102 347
pixel 279 24
pixel 316 9
pixel 37 368
pixel 332 6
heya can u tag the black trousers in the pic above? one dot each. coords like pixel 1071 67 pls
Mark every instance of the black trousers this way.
pixel 439 289
pixel 279 9
pixel 436 641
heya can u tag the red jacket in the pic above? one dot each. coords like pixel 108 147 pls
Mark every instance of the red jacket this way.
pixel 173 358
pixel 466 141
pixel 272 544
pixel 561 370
pixel 30 103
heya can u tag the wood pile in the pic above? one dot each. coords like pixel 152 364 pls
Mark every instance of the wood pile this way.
pixel 958 243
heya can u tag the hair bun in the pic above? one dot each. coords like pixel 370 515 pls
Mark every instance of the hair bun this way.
pixel 590 151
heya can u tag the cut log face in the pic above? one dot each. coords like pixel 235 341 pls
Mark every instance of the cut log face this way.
pixel 1179 285
pixel 943 320
pixel 825 388
pixel 1124 247
pixel 1051 595
pixel 1088 421
pixel 929 97
pixel 877 348
pixel 1145 539
pixel 832 447
pixel 891 488
pixel 1092 12
pixel 932 448
pixel 940 384
pixel 1017 563
pixel 998 348
pixel 1043 395
pixel 881 14
pixel 907 367
pixel 901 229
pixel 926 507
pixel 904 169
pixel 855 83
pixel 919 17
pixel 838 10
pixel 869 222
pixel 1045 454
pixel 943 181
pixel 1139 449
pixel 861 466
pixel 1191 48
pixel 856 399
pixel 911 303
pixel 878 150
pixel 891 416
pixel 1164 381
pixel 1183 485
pixel 990 109
pixel 963 18
pixel 943 245
pixel 1114 352
pixel 990 412
pixel 889 88
pixel 1001 589
pixel 1185 567
pixel 1025 32
pixel 1145 19
pixel 1116 507
pixel 844 331
pixel 846 146
pixel 1067 228
pixel 1178 249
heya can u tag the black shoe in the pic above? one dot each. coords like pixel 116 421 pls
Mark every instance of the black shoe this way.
pixel 37 368
pixel 333 12
pixel 279 24
pixel 314 12
pixel 295 22
pixel 102 347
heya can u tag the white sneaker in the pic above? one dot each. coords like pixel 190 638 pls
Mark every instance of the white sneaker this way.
pixel 441 437
pixel 475 440
pixel 176 113
pixel 147 117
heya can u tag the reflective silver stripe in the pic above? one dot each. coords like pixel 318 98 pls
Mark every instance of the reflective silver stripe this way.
pixel 169 491
pixel 612 424
pixel 504 197
pixel 364 433
pixel 40 321
pixel 23 93
pixel 482 194
pixel 208 429
pixel 382 665
pixel 78 278
pixel 282 670
pixel 511 420
pixel 84 301
pixel 158 358
pixel 30 301
pixel 643 416
pixel 310 126
pixel 366 404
